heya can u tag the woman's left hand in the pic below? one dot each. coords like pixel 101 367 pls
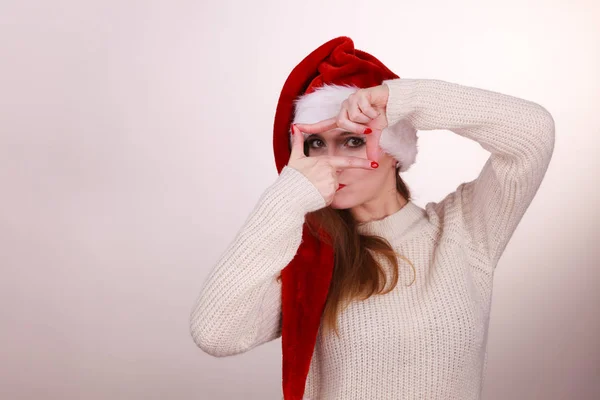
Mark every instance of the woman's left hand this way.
pixel 364 111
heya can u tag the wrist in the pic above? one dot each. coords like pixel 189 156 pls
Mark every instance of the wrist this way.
pixel 403 98
pixel 381 96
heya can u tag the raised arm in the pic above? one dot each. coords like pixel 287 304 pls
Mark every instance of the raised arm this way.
pixel 518 133
pixel 239 306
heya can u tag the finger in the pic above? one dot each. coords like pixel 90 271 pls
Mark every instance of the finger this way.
pixel 366 108
pixel 297 144
pixel 373 149
pixel 354 112
pixel 340 162
pixel 318 127
pixel 346 124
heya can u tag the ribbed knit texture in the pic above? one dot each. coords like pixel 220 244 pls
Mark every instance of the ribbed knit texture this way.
pixel 423 341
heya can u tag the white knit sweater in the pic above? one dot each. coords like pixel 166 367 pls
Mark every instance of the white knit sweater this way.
pixel 423 341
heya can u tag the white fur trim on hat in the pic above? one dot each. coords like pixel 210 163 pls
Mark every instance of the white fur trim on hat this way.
pixel 398 140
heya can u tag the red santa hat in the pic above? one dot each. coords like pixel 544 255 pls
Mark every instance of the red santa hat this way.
pixel 314 91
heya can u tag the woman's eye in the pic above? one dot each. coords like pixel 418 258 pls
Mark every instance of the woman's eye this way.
pixel 312 141
pixel 357 141
pixel 351 142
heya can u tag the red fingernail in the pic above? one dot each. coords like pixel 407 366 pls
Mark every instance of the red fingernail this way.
pixel 367 131
pixel 292 128
pixel 374 164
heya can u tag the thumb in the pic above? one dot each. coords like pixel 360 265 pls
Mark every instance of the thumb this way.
pixel 297 144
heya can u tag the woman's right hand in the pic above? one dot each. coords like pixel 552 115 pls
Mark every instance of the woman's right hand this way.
pixel 321 171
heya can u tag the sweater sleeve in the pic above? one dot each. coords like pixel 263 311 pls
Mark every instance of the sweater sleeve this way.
pixel 239 305
pixel 518 133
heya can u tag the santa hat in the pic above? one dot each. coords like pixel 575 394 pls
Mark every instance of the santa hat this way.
pixel 314 91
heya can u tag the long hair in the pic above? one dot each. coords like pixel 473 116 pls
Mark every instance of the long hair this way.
pixel 356 272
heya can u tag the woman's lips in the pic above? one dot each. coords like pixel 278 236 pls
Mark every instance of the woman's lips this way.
pixel 341 186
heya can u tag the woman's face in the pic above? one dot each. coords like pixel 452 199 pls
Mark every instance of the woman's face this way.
pixel 361 185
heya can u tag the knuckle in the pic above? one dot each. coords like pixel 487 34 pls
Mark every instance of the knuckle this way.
pixel 355 114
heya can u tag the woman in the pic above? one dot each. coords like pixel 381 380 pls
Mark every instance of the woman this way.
pixel 374 297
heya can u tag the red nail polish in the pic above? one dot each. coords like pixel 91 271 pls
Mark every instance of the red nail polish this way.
pixel 367 131
pixel 374 164
pixel 292 128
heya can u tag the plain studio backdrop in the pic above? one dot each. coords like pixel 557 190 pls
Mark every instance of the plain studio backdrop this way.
pixel 136 137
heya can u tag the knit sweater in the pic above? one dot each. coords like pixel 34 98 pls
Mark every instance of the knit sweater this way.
pixel 425 340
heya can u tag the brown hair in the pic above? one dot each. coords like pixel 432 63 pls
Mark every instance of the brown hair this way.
pixel 356 273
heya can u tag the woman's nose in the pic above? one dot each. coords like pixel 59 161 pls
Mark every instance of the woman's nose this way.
pixel 332 151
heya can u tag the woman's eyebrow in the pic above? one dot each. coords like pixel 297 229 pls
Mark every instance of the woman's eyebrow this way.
pixel 345 133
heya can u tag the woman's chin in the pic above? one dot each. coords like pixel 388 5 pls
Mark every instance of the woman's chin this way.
pixel 341 202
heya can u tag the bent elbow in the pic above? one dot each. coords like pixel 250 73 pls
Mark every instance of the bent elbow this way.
pixel 206 342
pixel 546 131
pixel 212 344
